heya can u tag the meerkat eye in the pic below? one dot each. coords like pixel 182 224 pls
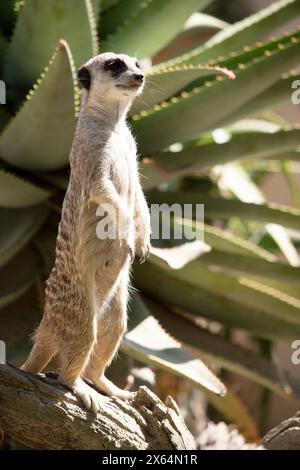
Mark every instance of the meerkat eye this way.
pixel 116 66
pixel 137 65
pixel 84 77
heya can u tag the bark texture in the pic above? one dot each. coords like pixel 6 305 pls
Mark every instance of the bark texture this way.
pixel 286 436
pixel 38 412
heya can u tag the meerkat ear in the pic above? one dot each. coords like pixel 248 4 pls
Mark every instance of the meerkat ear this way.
pixel 84 77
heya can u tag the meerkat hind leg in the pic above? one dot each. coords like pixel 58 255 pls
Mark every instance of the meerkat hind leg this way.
pixel 74 357
pixel 111 328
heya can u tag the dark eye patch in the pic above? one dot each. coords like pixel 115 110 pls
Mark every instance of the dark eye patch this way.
pixel 84 77
pixel 115 66
pixel 137 65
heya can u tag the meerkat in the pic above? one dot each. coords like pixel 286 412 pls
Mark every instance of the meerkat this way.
pixel 85 315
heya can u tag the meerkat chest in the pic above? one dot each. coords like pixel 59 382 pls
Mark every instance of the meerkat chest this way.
pixel 123 167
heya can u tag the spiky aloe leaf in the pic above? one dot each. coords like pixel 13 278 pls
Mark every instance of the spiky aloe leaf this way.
pixel 40 136
pixel 18 226
pixel 196 31
pixel 248 145
pixel 164 83
pixel 218 239
pixel 277 94
pixel 39 27
pixel 234 411
pixel 235 179
pixel 213 236
pixel 167 352
pixel 201 109
pixel 18 275
pixel 238 302
pixel 219 350
pixel 112 18
pixel 96 8
pixel 167 16
pixel 224 209
pixel 242 58
pixel 242 33
pixel 16 193
pixel 292 156
pixel 251 291
pixel 252 267
pixel 199 302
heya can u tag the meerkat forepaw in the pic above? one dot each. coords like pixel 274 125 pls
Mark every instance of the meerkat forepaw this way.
pixel 143 252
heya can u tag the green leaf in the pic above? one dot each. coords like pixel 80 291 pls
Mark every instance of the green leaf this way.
pixel 292 156
pixel 112 18
pixel 166 353
pixel 274 96
pixel 96 8
pixel 218 208
pixel 41 134
pixel 18 275
pixel 197 29
pixel 17 193
pixel 233 287
pixel 17 228
pixel 214 101
pixel 219 239
pixel 224 240
pixel 164 83
pixel 168 16
pixel 39 28
pixel 248 145
pixel 234 178
pixel 236 413
pixel 242 33
pixel 251 267
pixel 238 302
pixel 218 350
pixel 243 58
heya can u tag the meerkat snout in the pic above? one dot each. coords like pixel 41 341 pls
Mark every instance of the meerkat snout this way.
pixel 138 78
pixel 118 76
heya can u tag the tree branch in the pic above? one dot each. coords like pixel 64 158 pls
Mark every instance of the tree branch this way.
pixel 42 414
pixel 286 436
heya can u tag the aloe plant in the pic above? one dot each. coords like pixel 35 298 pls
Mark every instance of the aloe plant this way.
pixel 189 101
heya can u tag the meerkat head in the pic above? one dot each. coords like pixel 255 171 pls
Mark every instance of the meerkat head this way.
pixel 113 76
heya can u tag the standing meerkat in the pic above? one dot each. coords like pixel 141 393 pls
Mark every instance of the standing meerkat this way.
pixel 85 313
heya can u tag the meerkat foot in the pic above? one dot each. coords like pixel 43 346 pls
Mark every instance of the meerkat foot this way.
pixel 91 399
pixel 106 386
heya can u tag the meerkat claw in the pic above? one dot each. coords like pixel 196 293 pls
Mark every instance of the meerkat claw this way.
pixel 89 397
pixel 144 255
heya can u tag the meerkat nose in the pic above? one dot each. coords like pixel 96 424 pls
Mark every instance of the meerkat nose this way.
pixel 138 78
